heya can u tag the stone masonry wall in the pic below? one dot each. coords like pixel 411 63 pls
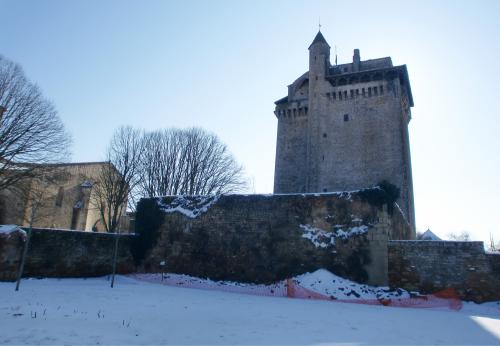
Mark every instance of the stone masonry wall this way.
pixel 431 266
pixel 11 245
pixel 266 238
pixel 291 155
pixel 62 253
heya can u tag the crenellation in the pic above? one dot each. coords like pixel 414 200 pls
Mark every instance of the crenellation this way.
pixel 291 113
pixel 334 95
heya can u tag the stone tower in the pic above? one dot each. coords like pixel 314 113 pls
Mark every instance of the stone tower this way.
pixel 345 127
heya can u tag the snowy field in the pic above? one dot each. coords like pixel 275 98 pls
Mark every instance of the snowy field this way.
pixel 88 311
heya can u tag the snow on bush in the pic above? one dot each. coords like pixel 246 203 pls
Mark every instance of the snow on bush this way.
pixel 190 206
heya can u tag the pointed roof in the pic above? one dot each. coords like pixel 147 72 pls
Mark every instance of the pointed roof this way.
pixel 429 235
pixel 319 39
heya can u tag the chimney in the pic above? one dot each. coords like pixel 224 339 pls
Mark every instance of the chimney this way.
pixel 356 61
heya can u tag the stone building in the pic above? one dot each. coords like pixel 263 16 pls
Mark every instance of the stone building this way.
pixel 66 193
pixel 345 127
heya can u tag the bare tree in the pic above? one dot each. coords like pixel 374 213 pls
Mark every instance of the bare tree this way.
pixel 31 133
pixel 192 162
pixel 464 236
pixel 117 180
pixel 493 247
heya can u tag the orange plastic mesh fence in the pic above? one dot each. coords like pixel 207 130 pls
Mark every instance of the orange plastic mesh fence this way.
pixel 447 298
pixel 275 290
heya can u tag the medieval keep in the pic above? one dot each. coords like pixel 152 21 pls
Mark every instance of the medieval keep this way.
pixel 345 127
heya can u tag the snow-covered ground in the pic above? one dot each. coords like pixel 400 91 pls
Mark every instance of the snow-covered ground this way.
pixel 88 311
pixel 322 284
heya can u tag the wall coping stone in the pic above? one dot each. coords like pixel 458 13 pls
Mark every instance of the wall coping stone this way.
pixel 41 229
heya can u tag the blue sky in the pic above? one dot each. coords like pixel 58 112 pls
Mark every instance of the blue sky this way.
pixel 221 65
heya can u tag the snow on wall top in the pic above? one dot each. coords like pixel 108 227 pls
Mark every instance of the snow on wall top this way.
pixel 190 206
pixel 402 213
pixel 193 206
pixel 340 194
pixel 9 229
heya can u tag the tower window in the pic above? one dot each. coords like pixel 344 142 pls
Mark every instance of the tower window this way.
pixel 316 77
pixel 340 95
pixel 381 89
pixel 324 135
pixel 346 117
pixel 363 91
pixel 357 92
pixel 375 90
pixel 369 91
pixel 334 95
pixel 352 93
pixel 324 190
pixel 345 94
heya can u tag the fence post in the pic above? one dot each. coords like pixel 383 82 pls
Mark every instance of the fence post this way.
pixel 115 255
pixel 290 290
pixel 23 258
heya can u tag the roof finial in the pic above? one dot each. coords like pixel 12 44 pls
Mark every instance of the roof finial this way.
pixel 319 23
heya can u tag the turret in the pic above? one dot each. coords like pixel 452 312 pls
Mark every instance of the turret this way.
pixel 319 57
pixel 356 61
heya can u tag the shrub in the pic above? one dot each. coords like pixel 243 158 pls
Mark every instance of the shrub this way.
pixel 384 193
pixel 149 218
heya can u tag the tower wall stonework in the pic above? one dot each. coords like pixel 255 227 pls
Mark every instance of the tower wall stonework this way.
pixel 291 155
pixel 348 131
